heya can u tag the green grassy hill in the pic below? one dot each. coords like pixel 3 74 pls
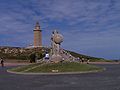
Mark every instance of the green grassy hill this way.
pixel 92 59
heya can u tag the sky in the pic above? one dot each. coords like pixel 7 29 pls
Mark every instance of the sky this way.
pixel 90 27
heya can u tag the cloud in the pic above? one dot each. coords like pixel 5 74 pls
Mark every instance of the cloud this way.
pixel 88 26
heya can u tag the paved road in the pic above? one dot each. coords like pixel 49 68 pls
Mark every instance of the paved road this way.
pixel 107 80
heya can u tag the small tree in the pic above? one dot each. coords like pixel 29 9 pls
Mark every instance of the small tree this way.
pixel 32 57
pixel 40 55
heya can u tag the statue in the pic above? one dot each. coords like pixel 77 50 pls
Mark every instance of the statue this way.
pixel 56 40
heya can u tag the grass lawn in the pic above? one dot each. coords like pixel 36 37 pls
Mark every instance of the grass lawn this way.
pixel 22 68
pixel 59 67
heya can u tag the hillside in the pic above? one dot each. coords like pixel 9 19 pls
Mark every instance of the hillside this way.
pixel 92 59
pixel 18 53
pixel 21 53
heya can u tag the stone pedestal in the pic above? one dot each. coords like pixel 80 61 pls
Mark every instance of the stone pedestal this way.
pixel 56 58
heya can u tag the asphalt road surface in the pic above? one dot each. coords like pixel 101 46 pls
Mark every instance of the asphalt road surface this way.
pixel 106 80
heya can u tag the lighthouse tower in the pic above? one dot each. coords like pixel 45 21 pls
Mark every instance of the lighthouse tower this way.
pixel 37 36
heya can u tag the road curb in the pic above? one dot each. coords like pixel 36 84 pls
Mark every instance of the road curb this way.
pixel 58 73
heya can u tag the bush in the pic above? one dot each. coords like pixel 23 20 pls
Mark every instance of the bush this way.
pixel 32 57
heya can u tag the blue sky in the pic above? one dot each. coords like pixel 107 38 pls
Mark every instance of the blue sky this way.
pixel 90 27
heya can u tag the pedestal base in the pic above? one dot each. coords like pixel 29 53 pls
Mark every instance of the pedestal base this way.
pixel 56 58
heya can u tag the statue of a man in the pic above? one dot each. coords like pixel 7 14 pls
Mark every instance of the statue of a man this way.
pixel 54 45
pixel 56 41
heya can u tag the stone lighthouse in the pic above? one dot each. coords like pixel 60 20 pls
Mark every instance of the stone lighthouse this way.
pixel 37 36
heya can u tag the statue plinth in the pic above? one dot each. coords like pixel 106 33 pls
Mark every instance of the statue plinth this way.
pixel 56 58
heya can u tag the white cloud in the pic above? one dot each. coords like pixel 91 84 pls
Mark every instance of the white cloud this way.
pixel 85 24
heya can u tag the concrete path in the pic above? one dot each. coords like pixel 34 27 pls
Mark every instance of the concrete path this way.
pixel 15 64
pixel 107 80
